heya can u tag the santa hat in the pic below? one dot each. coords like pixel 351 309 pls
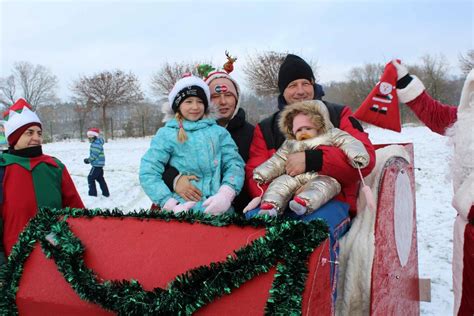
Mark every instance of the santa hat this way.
pixel 380 108
pixel 17 117
pixel 190 86
pixel 222 82
pixel 93 132
pixel 293 68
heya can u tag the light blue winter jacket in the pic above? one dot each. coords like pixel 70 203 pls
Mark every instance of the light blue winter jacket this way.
pixel 209 153
pixel 96 153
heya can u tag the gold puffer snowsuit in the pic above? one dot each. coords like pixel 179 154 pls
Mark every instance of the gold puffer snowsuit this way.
pixel 318 188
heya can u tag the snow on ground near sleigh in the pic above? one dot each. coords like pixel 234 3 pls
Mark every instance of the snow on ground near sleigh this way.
pixel 435 215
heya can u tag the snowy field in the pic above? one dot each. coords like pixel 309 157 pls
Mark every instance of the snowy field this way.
pixel 435 215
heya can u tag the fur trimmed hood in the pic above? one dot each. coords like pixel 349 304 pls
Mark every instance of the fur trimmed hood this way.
pixel 310 108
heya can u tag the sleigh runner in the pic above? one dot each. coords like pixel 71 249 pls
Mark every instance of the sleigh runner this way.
pixel 93 262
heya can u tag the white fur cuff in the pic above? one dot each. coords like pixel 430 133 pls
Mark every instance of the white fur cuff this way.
pixel 412 91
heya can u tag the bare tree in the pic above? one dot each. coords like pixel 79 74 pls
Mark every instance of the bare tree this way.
pixel 164 79
pixel 7 89
pixel 107 89
pixel 147 117
pixel 467 62
pixel 82 110
pixel 38 85
pixel 433 72
pixel 361 80
pixel 262 72
pixel 340 93
pixel 257 108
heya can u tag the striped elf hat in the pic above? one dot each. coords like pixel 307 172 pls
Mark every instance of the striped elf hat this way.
pixel 18 115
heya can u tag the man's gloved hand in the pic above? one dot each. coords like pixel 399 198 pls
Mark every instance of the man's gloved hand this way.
pixel 87 161
pixel 219 202
pixel 402 71
pixel 403 76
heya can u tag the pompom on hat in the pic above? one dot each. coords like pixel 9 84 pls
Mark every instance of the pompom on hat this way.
pixel 93 132
pixel 18 118
pixel 189 86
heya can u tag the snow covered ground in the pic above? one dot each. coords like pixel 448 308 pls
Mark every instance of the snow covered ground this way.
pixel 435 215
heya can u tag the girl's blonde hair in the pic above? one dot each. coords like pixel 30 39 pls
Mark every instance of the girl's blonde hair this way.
pixel 182 137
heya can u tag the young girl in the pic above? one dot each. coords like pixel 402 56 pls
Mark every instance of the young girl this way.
pixel 194 144
pixel 306 125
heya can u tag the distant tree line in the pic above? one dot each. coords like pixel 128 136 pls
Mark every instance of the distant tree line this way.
pixel 113 100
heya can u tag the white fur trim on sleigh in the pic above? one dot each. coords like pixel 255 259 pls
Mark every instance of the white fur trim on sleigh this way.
pixel 357 247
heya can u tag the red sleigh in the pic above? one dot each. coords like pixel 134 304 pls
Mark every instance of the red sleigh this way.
pixel 190 265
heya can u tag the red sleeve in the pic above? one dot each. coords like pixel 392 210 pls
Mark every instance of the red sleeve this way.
pixel 434 114
pixel 258 154
pixel 69 193
pixel 335 162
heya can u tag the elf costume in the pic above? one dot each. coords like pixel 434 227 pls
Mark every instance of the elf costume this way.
pixel 31 180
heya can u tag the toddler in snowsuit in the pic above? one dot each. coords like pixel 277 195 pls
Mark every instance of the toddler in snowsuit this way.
pixel 306 125
pixel 97 161
pixel 194 144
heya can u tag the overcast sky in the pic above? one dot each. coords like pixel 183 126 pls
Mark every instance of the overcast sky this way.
pixel 74 38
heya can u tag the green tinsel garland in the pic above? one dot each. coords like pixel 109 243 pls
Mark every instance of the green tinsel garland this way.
pixel 286 245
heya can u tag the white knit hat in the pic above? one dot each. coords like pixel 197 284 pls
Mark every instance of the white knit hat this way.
pixel 187 87
pixel 18 115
